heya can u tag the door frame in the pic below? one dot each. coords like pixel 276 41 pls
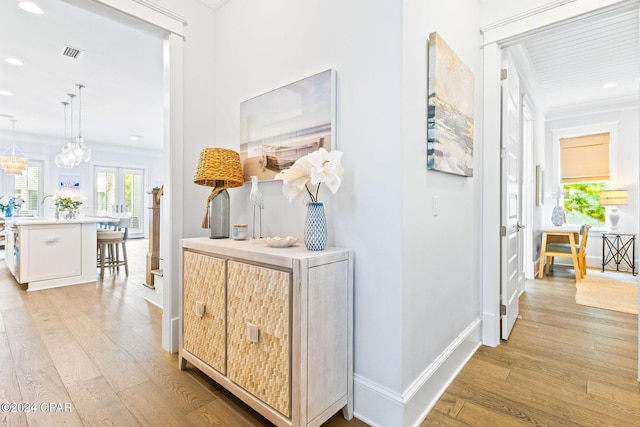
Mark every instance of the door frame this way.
pixel 494 37
pixel 168 26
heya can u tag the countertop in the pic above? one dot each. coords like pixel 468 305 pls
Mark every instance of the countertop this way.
pixel 22 221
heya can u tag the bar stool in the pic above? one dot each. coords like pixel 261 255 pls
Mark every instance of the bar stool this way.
pixel 109 251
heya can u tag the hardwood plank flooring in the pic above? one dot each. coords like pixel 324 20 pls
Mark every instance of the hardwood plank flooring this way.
pixel 97 348
pixel 564 365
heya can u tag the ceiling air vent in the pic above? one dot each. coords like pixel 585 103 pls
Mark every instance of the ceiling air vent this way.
pixel 71 52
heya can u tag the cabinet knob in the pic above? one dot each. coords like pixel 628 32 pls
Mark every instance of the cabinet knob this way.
pixel 253 333
pixel 199 308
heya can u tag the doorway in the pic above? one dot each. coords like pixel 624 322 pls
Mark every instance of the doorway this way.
pixel 495 38
pixel 169 27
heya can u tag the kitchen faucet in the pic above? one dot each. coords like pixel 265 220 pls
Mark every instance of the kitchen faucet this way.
pixel 45 198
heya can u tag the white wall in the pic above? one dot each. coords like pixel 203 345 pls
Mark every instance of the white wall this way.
pixel 440 254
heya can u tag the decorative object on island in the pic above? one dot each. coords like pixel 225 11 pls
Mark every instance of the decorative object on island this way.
pixel 218 168
pixel 282 125
pixel 73 152
pixel 613 198
pixel 315 168
pixel 14 162
pixel 8 204
pixel 450 110
pixel 67 206
pixel 258 203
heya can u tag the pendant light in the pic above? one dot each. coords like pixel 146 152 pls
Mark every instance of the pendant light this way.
pixel 61 159
pixel 82 152
pixel 74 151
pixel 15 162
pixel 67 158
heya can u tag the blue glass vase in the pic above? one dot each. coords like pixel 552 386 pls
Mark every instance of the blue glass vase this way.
pixel 8 211
pixel 315 227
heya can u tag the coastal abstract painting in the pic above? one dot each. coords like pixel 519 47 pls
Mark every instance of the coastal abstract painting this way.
pixel 450 110
pixel 280 126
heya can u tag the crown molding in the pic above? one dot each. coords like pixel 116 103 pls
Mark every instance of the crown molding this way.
pixel 214 4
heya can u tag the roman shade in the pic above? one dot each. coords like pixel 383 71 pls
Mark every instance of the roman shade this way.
pixel 584 158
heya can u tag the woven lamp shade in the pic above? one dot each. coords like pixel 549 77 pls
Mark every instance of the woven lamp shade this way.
pixel 219 164
pixel 613 197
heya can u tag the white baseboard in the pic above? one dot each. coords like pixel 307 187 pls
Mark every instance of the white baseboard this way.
pixel 150 301
pixel 490 329
pixel 379 406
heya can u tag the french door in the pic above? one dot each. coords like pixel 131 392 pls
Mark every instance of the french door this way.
pixel 120 192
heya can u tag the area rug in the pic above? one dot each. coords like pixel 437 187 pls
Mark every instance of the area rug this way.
pixel 609 290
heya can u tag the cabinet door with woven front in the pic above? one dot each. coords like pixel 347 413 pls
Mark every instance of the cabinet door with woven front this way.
pixel 259 330
pixel 204 314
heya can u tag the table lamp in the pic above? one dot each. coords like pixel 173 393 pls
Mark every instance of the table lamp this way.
pixel 218 168
pixel 613 198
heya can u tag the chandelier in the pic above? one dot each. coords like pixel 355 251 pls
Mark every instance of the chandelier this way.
pixel 15 162
pixel 73 152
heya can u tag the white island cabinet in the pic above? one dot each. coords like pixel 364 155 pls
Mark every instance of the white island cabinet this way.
pixel 272 326
pixel 49 253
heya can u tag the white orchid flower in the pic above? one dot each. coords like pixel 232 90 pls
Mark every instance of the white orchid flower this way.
pixel 294 180
pixel 315 168
pixel 329 170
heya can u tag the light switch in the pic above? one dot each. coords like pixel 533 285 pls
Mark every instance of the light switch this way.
pixel 199 308
pixel 435 206
pixel 253 333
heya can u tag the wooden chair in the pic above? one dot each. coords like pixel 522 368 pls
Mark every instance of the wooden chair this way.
pixel 578 253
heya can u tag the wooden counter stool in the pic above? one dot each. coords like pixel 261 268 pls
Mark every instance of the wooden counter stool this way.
pixel 109 251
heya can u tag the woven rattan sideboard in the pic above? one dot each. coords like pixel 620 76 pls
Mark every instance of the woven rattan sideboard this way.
pixel 274 326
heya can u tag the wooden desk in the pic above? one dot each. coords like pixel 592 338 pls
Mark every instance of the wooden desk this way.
pixel 559 235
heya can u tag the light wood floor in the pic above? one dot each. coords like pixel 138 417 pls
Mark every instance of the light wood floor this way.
pixel 564 365
pixel 96 349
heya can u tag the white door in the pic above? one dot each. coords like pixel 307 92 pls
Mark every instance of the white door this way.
pixel 120 192
pixel 511 204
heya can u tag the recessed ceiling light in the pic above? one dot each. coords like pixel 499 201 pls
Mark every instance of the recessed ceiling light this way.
pixel 13 61
pixel 5 92
pixel 135 137
pixel 30 6
pixel 609 85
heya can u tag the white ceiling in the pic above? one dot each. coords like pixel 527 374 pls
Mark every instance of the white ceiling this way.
pixel 573 61
pixel 121 69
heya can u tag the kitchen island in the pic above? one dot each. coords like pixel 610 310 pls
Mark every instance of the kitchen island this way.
pixel 48 253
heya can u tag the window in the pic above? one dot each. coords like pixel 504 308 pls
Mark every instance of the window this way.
pixel 584 173
pixel 582 203
pixel 28 187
